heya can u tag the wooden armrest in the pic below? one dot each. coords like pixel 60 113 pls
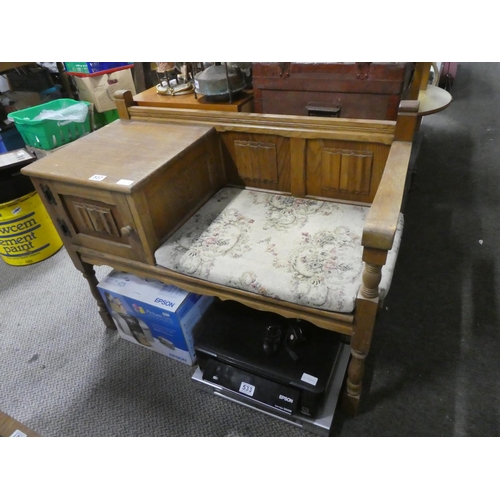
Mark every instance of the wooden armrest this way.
pixel 381 222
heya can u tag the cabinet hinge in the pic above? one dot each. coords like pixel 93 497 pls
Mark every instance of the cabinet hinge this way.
pixel 363 70
pixel 284 69
pixel 48 194
pixel 64 228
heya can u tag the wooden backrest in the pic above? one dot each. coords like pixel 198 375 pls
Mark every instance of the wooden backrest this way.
pixel 314 167
pixel 341 159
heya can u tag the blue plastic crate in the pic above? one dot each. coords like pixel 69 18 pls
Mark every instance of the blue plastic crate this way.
pixel 90 68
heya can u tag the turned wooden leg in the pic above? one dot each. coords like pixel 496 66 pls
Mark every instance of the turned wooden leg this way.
pixel 367 305
pixel 89 274
pixel 355 373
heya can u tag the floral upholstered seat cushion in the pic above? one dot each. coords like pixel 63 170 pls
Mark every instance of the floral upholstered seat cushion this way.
pixel 303 251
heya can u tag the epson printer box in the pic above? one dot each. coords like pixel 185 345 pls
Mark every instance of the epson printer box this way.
pixel 160 317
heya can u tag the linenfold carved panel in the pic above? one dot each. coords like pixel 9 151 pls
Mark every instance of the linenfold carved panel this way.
pixel 256 161
pixel 346 171
pixel 97 218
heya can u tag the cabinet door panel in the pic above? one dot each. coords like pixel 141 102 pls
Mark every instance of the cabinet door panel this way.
pixel 94 218
pixel 100 220
pixel 344 170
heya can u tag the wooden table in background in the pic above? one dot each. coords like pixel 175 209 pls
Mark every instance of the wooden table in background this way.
pixel 8 426
pixel 242 104
pixel 433 100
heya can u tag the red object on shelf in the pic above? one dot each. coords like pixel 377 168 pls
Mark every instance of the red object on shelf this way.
pixel 112 70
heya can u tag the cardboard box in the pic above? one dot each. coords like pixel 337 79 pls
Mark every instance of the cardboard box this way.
pixel 4 84
pixel 41 153
pixel 162 318
pixel 18 101
pixel 99 90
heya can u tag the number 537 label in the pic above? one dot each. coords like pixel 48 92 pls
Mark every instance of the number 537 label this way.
pixel 247 389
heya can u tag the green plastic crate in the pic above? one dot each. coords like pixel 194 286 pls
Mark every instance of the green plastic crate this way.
pixel 49 134
pixel 102 119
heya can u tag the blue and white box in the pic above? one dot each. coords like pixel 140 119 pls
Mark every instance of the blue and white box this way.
pixel 162 318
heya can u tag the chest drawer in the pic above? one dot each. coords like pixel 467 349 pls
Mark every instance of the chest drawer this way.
pixel 331 104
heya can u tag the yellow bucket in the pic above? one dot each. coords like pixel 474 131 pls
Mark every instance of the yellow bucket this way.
pixel 27 234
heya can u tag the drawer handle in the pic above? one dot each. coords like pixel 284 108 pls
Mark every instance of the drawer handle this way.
pixel 126 231
pixel 333 111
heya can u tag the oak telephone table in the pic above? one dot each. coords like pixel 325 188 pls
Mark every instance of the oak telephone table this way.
pixel 120 194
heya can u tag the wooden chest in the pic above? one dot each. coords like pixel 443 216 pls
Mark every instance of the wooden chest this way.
pixel 346 90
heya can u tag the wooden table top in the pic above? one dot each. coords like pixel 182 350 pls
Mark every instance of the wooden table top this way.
pixel 120 156
pixel 432 100
pixel 151 98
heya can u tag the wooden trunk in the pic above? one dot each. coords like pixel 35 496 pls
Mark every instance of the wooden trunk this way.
pixel 345 90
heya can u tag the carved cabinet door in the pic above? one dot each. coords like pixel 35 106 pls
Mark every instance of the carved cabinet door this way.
pixel 93 219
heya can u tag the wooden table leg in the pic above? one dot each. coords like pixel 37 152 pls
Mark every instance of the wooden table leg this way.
pixel 89 275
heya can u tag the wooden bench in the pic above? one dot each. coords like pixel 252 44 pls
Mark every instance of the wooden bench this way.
pixel 139 195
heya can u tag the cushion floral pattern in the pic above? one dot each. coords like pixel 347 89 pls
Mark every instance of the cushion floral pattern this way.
pixel 303 251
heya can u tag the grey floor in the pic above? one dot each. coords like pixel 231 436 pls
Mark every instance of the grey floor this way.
pixel 433 368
